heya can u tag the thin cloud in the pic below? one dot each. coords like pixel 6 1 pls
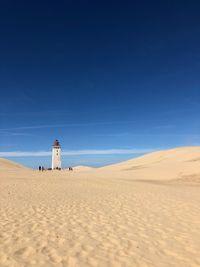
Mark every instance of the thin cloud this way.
pixel 165 126
pixel 64 125
pixel 47 112
pixel 149 134
pixel 75 152
pixel 14 134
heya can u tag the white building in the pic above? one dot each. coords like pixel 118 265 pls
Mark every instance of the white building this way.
pixel 56 155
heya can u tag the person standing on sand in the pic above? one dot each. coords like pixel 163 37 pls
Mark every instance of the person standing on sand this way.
pixel 39 168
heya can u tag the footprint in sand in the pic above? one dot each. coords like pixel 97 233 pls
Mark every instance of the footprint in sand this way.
pixel 25 252
pixel 52 254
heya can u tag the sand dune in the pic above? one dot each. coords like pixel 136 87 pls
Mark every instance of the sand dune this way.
pixel 8 165
pixel 161 165
pixel 172 156
pixel 90 218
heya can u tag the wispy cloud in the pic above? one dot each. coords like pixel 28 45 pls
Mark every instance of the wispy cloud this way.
pixel 75 152
pixel 62 111
pixel 148 135
pixel 5 133
pixel 65 125
pixel 164 126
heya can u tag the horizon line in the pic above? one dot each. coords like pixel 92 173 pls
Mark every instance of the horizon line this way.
pixel 75 152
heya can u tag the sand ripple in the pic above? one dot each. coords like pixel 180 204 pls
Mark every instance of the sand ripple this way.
pixel 73 220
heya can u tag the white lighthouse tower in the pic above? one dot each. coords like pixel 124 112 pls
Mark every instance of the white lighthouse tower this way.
pixel 56 155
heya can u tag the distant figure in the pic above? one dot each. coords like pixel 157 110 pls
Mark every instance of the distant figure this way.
pixel 70 169
pixel 42 168
pixel 39 168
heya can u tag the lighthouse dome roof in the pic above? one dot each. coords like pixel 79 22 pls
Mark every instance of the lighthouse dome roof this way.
pixel 56 143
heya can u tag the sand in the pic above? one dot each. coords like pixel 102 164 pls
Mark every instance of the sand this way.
pixel 113 216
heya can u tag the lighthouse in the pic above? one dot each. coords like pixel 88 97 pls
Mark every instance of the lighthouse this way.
pixel 56 155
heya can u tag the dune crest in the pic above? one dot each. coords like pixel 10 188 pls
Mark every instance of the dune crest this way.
pixel 6 165
pixel 160 165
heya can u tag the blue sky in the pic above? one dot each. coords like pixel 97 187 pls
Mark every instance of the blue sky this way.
pixel 110 79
